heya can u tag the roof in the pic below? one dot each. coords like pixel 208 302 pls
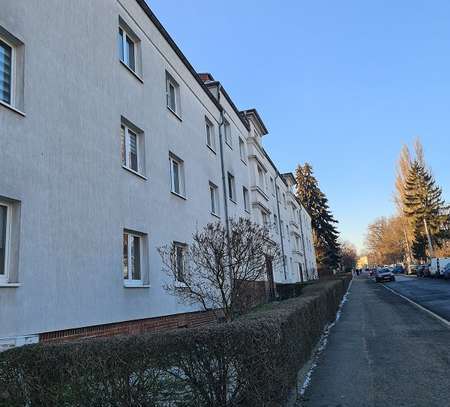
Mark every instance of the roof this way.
pixel 289 175
pixel 254 112
pixel 145 7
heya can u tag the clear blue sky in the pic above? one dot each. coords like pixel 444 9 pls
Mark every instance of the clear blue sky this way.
pixel 341 84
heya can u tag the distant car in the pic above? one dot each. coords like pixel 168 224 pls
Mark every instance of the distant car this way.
pixel 446 272
pixel 423 270
pixel 413 269
pixel 398 269
pixel 384 274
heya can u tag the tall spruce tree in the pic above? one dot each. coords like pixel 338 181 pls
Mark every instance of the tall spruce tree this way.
pixel 323 222
pixel 424 207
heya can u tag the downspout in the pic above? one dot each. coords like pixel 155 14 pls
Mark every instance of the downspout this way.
pixel 279 226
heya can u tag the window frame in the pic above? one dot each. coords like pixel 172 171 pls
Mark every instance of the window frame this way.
pixel 227 133
pixel 211 143
pixel 4 278
pixel 123 56
pixel 184 247
pixel 130 282
pixel 231 187
pixel 214 197
pixel 181 179
pixel 12 85
pixel 242 150
pixel 126 145
pixel 170 81
pixel 246 198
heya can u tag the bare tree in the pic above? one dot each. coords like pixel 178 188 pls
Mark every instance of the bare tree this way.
pixel 215 269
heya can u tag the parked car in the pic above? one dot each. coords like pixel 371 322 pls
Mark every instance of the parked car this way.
pixel 398 269
pixel 438 265
pixel 446 273
pixel 384 274
pixel 413 269
pixel 423 270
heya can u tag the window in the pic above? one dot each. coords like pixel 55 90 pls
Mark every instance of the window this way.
pixel 179 252
pixel 265 219
pixel 275 221
pixel 278 193
pixel 6 73
pixel 231 187
pixel 177 175
pixel 132 259
pixel 288 236
pixel 246 199
pixel 261 178
pixel 173 95
pixel 227 129
pixel 4 241
pixel 272 186
pixel 131 154
pixel 127 49
pixel 210 136
pixel 214 196
pixel 242 152
pixel 284 200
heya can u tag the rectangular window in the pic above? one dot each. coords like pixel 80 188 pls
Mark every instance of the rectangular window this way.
pixel 261 178
pixel 275 221
pixel 210 136
pixel 227 130
pixel 130 141
pixel 177 175
pixel 127 49
pixel 173 95
pixel 4 241
pixel 272 186
pixel 246 199
pixel 231 187
pixel 214 196
pixel 132 258
pixel 179 252
pixel 264 219
pixel 6 72
pixel 242 152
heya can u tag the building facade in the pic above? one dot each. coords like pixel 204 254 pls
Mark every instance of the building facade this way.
pixel 111 145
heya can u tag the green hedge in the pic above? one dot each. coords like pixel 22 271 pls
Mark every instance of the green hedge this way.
pixel 249 362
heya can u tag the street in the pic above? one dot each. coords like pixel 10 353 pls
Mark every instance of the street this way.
pixel 384 351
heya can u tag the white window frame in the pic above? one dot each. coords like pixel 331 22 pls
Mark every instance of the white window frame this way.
pixel 246 198
pixel 130 282
pixel 124 56
pixel 231 187
pixel 12 92
pixel 211 143
pixel 261 177
pixel 170 81
pixel 227 132
pixel 214 198
pixel 242 151
pixel 181 180
pixel 126 146
pixel 4 278
pixel 184 248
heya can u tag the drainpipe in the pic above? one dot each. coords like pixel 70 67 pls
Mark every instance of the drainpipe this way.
pixel 279 226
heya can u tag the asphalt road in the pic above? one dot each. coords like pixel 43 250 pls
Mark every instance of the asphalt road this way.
pixel 433 294
pixel 384 351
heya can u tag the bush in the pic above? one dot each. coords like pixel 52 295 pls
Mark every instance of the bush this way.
pixel 252 361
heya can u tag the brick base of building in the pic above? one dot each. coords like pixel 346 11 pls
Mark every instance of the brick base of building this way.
pixel 176 321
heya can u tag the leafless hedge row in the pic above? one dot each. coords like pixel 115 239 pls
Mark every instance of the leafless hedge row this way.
pixel 252 361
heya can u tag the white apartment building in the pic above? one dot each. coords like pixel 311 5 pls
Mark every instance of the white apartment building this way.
pixel 111 145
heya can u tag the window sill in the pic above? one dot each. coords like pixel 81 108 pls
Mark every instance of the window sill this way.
pixel 175 114
pixel 214 151
pixel 244 162
pixel 232 200
pixel 131 71
pixel 247 210
pixel 215 215
pixel 135 285
pixel 178 195
pixel 134 172
pixel 10 285
pixel 229 145
pixel 4 104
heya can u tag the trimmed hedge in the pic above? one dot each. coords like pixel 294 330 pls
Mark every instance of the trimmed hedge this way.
pixel 251 362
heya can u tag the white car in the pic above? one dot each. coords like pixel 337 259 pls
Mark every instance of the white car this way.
pixel 384 274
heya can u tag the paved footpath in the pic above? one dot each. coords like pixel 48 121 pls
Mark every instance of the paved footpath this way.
pixel 383 352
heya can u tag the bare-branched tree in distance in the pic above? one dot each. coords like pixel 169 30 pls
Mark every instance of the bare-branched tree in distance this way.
pixel 217 266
